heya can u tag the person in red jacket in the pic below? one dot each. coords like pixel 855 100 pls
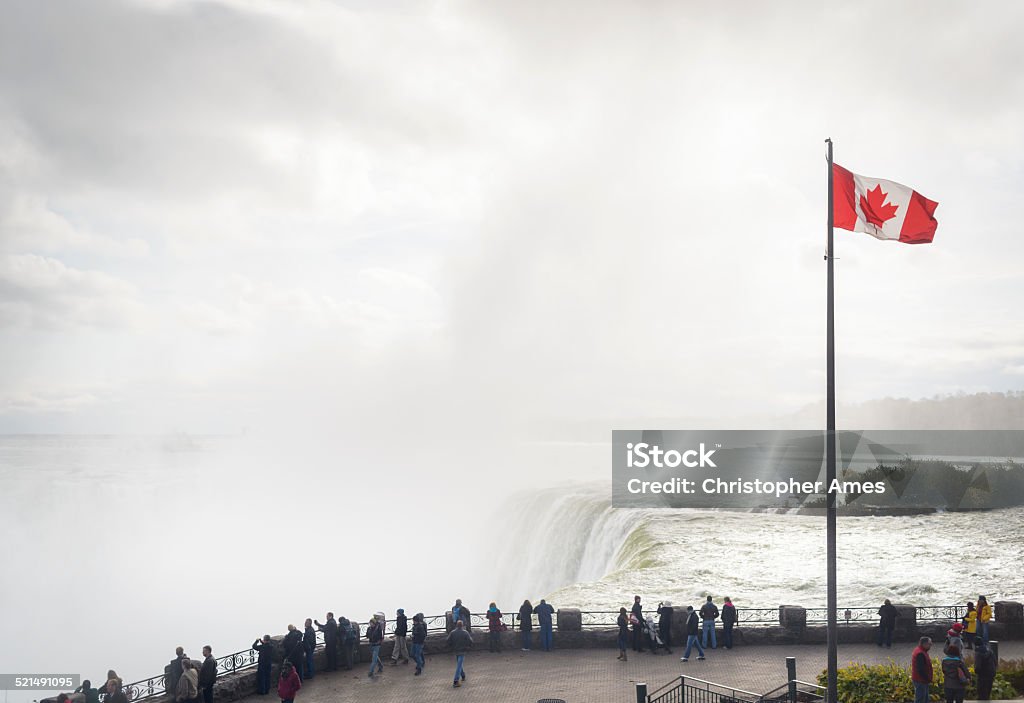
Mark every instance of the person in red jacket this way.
pixel 289 684
pixel 921 670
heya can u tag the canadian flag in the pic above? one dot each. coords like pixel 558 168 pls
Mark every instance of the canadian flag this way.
pixel 883 209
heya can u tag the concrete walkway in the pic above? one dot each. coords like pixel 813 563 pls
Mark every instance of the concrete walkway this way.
pixel 584 675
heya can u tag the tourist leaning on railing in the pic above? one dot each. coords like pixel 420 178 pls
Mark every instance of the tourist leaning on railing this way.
pixel 330 630
pixel 729 619
pixel 494 628
pixel 293 650
pixel 526 623
pixel 665 611
pixel 544 611
pixel 264 663
pixel 309 644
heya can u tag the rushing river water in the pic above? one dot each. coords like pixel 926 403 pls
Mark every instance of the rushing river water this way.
pixel 118 549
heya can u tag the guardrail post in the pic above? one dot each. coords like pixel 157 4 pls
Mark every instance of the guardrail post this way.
pixel 682 688
pixel 791 677
pixel 994 646
pixel 641 693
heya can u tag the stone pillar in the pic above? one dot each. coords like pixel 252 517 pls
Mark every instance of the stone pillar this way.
pixel 679 626
pixel 906 621
pixel 1008 612
pixel 793 616
pixel 568 620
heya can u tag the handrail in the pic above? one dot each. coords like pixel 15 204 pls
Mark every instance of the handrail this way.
pixel 687 679
pixel 247 658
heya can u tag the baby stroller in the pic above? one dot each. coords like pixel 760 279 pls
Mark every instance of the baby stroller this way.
pixel 653 638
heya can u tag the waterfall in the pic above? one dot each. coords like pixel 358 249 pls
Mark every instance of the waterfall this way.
pixel 563 536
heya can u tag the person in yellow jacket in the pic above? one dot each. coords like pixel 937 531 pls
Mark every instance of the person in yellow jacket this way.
pixel 970 626
pixel 984 616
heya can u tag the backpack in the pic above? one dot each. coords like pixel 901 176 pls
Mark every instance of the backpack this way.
pixel 347 633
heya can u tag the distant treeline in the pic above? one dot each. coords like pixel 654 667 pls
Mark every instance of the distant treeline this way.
pixel 942 484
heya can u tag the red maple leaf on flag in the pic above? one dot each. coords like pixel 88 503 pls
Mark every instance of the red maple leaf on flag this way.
pixel 875 209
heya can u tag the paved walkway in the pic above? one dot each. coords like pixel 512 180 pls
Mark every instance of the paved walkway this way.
pixel 584 675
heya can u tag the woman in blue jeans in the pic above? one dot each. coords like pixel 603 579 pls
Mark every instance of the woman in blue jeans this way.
pixel 375 635
pixel 419 638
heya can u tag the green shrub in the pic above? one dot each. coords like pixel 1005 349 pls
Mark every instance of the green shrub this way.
pixel 1013 671
pixel 881 683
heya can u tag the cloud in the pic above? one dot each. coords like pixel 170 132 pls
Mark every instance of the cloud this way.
pixel 38 291
pixel 543 210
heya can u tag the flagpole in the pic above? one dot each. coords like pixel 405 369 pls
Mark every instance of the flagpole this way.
pixel 830 458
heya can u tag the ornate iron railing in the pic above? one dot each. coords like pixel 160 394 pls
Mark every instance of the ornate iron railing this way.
pixel 146 688
pixel 591 619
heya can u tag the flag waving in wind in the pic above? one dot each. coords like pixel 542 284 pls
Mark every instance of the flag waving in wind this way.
pixel 883 209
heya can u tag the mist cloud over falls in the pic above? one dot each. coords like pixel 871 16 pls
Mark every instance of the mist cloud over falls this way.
pixel 218 215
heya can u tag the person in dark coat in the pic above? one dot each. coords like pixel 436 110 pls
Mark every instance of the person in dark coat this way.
pixel 106 690
pixel 207 674
pixel 292 649
pixel 348 640
pixel 174 671
pixel 526 623
pixel 729 620
pixel 92 695
pixel 264 662
pixel 375 635
pixel 887 615
pixel 544 612
pixel 460 641
pixel 309 645
pixel 984 669
pixel 419 638
pixel 400 652
pixel 623 623
pixel 357 655
pixel 637 611
pixel 692 635
pixel 709 613
pixel 665 611
pixel 330 630
pixel 116 692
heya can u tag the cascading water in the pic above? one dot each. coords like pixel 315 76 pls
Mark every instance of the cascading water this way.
pixel 565 537
pixel 576 550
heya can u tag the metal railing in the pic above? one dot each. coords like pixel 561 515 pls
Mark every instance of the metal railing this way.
pixel 590 619
pixel 795 691
pixel 687 689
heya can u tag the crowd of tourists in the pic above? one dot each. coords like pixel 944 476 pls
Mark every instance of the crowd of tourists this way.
pixel 638 630
pixel 971 632
pixel 341 638
pixel 192 680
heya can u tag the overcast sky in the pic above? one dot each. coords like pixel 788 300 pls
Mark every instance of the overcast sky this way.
pixel 219 215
